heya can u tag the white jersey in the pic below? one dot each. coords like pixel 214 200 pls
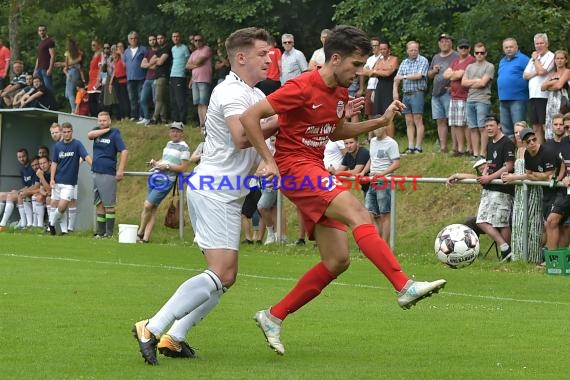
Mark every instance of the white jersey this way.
pixel 224 167
pixel 333 154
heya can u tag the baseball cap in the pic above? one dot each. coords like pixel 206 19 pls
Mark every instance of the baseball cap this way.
pixel 523 134
pixel 479 162
pixel 444 35
pixel 177 125
pixel 463 43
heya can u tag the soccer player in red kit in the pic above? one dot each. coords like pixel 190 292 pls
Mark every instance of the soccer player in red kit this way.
pixel 312 108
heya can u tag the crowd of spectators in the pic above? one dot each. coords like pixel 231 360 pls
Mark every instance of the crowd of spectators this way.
pixel 150 84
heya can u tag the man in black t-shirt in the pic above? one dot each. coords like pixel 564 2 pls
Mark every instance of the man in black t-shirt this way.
pixel 162 60
pixel 560 210
pixel 355 161
pixel 494 213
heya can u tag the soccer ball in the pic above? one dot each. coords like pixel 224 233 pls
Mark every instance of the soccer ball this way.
pixel 457 245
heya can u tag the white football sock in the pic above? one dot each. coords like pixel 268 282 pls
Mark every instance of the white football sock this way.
pixel 40 215
pixel 7 213
pixel 22 212
pixel 72 217
pixel 35 206
pixel 181 327
pixel 63 222
pixel 2 206
pixel 29 213
pixel 191 294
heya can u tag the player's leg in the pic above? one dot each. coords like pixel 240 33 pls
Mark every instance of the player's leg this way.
pixel 333 248
pixel 348 210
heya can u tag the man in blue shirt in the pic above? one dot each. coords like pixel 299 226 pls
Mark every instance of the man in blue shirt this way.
pixel 64 174
pixel 513 88
pixel 107 142
pixel 132 58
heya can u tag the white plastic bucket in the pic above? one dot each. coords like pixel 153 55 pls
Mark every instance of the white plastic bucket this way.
pixel 128 233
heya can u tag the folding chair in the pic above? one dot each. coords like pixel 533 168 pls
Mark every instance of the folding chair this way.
pixel 471 222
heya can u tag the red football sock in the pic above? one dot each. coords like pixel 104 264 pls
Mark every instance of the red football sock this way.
pixel 377 251
pixel 308 287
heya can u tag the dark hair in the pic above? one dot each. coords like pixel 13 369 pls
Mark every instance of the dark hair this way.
pixel 385 42
pixel 44 148
pixel 243 39
pixel 79 83
pixel 67 125
pixel 346 40
pixel 24 150
pixel 492 117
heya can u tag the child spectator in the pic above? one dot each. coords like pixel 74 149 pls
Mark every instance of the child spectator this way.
pixel 81 99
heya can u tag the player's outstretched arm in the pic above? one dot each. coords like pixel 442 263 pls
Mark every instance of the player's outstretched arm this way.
pixel 251 121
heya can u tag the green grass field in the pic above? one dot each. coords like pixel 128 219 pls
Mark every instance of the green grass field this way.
pixel 67 305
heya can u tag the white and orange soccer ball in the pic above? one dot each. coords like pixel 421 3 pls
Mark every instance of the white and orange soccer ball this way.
pixel 457 245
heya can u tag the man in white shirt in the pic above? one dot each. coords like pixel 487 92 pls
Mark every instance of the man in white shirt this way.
pixel 540 64
pixel 318 57
pixel 384 160
pixel 215 196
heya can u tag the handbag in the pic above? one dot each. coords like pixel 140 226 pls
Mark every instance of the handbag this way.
pixel 172 218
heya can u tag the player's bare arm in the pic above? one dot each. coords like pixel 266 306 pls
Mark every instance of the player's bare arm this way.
pixel 251 122
pixel 268 127
pixel 347 130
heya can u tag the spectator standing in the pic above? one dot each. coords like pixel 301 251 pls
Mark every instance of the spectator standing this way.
pixel 148 89
pixel 385 160
pixel 318 57
pixel 513 88
pixel 355 160
pixel 369 76
pixel 556 86
pixel 477 78
pixel 4 62
pixel 458 93
pixel 94 83
pixel 536 71
pixel 132 58
pixel 293 61
pixel 413 74
pixel 45 60
pixel 118 85
pixel 162 61
pixel 180 55
pixel 72 69
pixel 222 64
pixel 200 64
pixel 441 96
pixel 385 71
pixel 107 143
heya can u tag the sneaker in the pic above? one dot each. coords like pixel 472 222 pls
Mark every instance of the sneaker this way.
pixel 409 151
pixel 143 121
pixel 271 330
pixel 300 242
pixel 147 346
pixel 415 291
pixel 174 349
pixel 151 122
pixel 51 230
pixel 247 241
pixel 271 238
pixel 418 150
pixel 506 256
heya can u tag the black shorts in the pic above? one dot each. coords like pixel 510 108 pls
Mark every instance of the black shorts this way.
pixel 250 204
pixel 537 110
pixel 561 204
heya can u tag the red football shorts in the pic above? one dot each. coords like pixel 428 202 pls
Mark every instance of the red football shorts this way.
pixel 311 188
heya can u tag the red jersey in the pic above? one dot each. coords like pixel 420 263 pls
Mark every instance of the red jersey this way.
pixel 273 71
pixel 458 92
pixel 308 111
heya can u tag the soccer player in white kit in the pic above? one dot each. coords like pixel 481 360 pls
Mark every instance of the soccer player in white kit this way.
pixel 215 207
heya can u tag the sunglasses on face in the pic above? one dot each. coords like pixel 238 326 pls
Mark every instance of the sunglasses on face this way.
pixel 530 140
pixel 287 42
pixel 479 53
